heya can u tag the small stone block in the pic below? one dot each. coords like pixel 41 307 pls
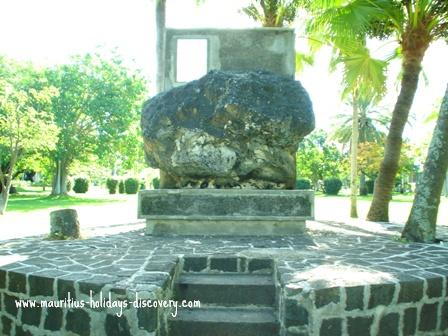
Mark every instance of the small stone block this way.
pixel 147 319
pixel 409 321
pixel 327 295
pixel 389 325
pixel 117 326
pixel 381 294
pixel 428 317
pixel 331 327
pixel 355 298
pixel 65 289
pixel 195 264
pixel 435 287
pixel 359 325
pixel 6 325
pixel 10 304
pixel 78 321
pixel 295 314
pixel 260 264
pixel 444 317
pixel 40 285
pixel 225 264
pixel 17 282
pixel 2 279
pixel 31 316
pixel 411 291
pixel 22 332
pixel 53 319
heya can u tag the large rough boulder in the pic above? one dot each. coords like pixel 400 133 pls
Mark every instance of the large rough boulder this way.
pixel 228 130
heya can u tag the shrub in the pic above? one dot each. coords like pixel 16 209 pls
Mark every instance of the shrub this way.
pixel 303 184
pixel 156 183
pixel 142 185
pixel 81 185
pixel 131 185
pixel 370 185
pixel 121 187
pixel 332 186
pixel 111 185
pixel 363 190
pixel 69 185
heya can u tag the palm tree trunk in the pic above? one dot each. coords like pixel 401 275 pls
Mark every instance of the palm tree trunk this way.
pixel 354 160
pixel 379 209
pixel 160 28
pixel 421 224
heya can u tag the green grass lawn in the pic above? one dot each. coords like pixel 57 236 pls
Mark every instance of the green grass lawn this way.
pixel 37 200
pixel 396 197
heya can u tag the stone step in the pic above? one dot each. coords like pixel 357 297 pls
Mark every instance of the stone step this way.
pixel 225 321
pixel 227 288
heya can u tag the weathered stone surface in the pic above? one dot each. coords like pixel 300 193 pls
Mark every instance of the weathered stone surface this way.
pixel 410 321
pixel 228 130
pixel 78 321
pixel 118 326
pixel 192 264
pixel 355 297
pixel 40 285
pixel 295 314
pixel 331 327
pixel 31 316
pixel 53 319
pixel 389 325
pixel 428 317
pixel 6 325
pixel 64 224
pixel 17 282
pixel 357 326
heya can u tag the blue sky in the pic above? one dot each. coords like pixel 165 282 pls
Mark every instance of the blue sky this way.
pixel 49 31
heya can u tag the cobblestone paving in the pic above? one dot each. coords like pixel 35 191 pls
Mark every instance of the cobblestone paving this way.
pixel 330 277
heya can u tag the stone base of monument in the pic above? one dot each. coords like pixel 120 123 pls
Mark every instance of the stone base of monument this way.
pixel 225 211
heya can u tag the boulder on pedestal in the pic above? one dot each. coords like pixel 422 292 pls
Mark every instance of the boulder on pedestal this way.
pixel 228 130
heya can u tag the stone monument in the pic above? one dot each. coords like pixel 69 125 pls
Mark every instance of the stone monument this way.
pixel 225 145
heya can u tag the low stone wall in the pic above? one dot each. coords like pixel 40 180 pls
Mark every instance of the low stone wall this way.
pixel 409 306
pixel 335 280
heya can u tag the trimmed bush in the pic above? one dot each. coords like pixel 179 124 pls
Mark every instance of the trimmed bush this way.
pixel 111 185
pixel 370 185
pixel 69 185
pixel 332 186
pixel 303 184
pixel 121 187
pixel 142 185
pixel 131 185
pixel 156 183
pixel 81 185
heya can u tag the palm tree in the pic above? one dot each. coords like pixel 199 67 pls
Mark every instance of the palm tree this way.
pixel 272 13
pixel 421 224
pixel 371 124
pixel 415 24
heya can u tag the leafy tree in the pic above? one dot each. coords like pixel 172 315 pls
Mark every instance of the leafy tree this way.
pixel 317 159
pixel 370 155
pixel 99 100
pixel 26 125
pixel 421 224
pixel 272 13
pixel 415 24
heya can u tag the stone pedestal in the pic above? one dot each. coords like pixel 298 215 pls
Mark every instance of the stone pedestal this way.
pixel 226 211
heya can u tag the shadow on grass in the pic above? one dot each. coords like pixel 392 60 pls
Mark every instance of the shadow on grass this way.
pixel 25 203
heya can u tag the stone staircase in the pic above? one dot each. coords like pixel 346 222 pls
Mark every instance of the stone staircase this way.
pixel 232 303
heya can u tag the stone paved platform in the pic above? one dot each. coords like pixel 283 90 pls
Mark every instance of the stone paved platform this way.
pixel 337 279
